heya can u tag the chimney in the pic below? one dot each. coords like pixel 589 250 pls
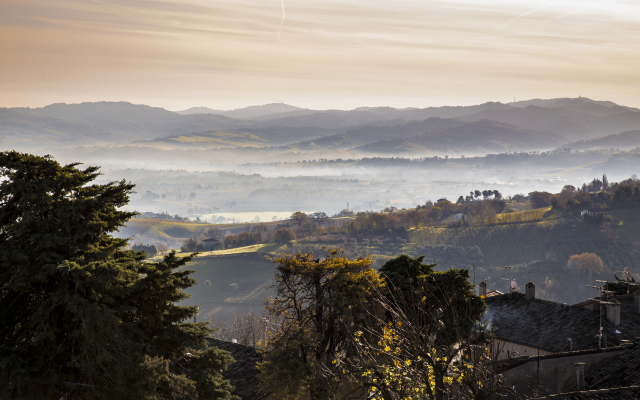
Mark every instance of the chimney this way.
pixel 580 375
pixel 529 291
pixel 613 313
pixel 483 289
pixel 636 302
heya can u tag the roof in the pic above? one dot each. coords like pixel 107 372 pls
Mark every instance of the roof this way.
pixel 618 371
pixel 509 363
pixel 623 299
pixel 242 374
pixel 549 325
pixel 622 393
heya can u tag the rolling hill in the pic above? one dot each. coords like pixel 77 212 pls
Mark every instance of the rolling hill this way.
pixel 483 136
pixel 246 112
pixel 117 123
pixel 581 105
pixel 624 140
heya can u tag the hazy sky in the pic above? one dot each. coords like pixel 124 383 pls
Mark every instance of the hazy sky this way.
pixel 324 54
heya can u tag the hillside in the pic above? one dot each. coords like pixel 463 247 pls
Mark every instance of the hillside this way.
pixel 536 251
pixel 624 140
pixel 478 137
pixel 119 122
pixel 18 131
pixel 111 123
pixel 246 112
pixel 221 300
pixel 581 105
pixel 261 137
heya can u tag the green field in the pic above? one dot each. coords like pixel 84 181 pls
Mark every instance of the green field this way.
pixel 221 299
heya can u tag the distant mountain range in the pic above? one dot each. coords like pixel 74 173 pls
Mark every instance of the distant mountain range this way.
pixel 490 127
pixel 245 113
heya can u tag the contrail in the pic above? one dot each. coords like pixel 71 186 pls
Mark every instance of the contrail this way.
pixel 524 14
pixel 564 15
pixel 281 22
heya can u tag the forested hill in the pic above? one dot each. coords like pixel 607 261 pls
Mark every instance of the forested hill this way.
pixel 624 140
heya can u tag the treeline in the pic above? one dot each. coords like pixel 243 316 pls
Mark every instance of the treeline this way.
pixel 597 194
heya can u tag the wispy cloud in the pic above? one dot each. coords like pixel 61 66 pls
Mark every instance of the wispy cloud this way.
pixel 224 54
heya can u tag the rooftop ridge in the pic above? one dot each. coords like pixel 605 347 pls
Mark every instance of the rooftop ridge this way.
pixel 632 391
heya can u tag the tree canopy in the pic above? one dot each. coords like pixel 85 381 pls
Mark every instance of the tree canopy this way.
pixel 80 317
pixel 317 300
pixel 423 343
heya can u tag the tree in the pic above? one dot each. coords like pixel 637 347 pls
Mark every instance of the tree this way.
pixel 319 217
pixel 425 344
pixel 284 235
pixel 315 298
pixel 149 249
pixel 413 280
pixel 299 218
pixel 79 316
pixel 189 245
pixel 585 264
pixel 540 199
pixel 214 233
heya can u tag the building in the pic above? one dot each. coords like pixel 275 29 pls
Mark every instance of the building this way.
pixel 558 349
pixel 522 325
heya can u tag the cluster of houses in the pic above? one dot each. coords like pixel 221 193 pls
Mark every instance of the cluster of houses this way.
pixel 545 350
pixel 549 350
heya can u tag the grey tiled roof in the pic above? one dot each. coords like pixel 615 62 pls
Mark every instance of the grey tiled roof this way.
pixel 621 370
pixel 622 393
pixel 242 374
pixel 548 325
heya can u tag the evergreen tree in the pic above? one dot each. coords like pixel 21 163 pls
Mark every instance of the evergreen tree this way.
pixel 79 316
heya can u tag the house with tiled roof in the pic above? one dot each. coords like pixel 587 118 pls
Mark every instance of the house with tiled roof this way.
pixel 519 324
pixel 622 370
pixel 242 374
pixel 549 347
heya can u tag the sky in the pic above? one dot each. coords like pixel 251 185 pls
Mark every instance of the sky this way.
pixel 320 54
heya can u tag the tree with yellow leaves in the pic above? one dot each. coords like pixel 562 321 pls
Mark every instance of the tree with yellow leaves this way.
pixel 585 264
pixel 320 301
pixel 425 346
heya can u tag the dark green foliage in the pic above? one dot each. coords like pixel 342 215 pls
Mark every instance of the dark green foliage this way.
pixel 80 317
pixel 540 199
pixel 149 249
pixel 414 284
pixel 405 274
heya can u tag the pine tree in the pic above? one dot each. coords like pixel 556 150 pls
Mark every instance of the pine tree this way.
pixel 79 316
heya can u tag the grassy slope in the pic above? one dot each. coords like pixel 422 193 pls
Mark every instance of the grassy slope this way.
pixel 250 271
pixel 149 230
